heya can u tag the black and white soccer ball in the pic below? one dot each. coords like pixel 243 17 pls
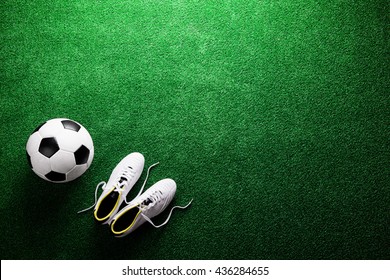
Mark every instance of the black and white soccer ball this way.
pixel 60 150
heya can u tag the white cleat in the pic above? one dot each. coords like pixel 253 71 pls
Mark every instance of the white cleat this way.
pixel 144 207
pixel 122 179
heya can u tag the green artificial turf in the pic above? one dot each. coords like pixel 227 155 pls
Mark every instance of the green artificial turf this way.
pixel 272 115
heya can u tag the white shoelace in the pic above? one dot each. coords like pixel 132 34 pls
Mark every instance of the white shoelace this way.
pixel 128 174
pixel 155 197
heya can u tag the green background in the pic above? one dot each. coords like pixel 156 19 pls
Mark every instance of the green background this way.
pixel 272 115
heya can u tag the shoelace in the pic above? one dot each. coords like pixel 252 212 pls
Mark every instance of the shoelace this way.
pixel 155 197
pixel 123 179
pixel 151 200
pixel 128 174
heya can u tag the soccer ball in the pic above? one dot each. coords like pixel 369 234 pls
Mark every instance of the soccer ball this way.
pixel 60 150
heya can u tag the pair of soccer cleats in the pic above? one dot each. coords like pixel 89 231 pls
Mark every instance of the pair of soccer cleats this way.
pixel 145 206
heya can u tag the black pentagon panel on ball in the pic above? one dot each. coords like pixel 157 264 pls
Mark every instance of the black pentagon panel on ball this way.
pixel 38 127
pixel 71 125
pixel 29 160
pixel 48 147
pixel 81 155
pixel 55 176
